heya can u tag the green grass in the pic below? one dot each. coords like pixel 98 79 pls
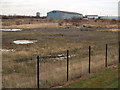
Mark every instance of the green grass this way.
pixel 104 79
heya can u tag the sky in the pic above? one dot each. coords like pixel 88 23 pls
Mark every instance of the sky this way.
pixel 85 7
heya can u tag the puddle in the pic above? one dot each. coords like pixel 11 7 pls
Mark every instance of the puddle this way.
pixel 5 50
pixel 10 29
pixel 77 27
pixel 24 41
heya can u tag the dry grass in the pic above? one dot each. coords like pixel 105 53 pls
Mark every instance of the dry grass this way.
pixel 55 74
pixel 19 67
pixel 40 25
pixel 52 72
pixel 114 30
pixel 43 23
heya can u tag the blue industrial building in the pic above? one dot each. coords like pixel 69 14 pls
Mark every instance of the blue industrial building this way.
pixel 56 14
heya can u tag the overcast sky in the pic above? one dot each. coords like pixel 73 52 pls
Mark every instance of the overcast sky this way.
pixel 30 7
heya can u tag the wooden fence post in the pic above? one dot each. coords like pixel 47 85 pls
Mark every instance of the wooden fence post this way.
pixel 37 71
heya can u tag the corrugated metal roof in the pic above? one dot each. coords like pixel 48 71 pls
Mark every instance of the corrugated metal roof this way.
pixel 68 12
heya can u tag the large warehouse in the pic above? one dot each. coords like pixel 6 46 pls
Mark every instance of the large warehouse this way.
pixel 55 14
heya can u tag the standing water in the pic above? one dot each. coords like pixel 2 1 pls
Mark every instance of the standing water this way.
pixel 24 41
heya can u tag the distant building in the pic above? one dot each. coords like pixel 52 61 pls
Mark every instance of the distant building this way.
pixel 91 16
pixel 110 17
pixel 38 14
pixel 56 14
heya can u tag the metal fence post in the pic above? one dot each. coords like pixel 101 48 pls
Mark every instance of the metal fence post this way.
pixel 37 71
pixel 89 57
pixel 119 52
pixel 67 65
pixel 106 55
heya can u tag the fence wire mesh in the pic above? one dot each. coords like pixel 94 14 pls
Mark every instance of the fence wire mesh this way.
pixel 53 68
pixel 23 68
pixel 113 53
pixel 97 58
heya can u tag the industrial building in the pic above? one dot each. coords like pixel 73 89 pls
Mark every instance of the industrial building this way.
pixel 56 14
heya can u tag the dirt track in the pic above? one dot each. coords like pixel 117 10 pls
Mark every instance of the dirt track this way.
pixel 73 34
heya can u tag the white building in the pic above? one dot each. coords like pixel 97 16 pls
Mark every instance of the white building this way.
pixel 91 16
pixel 110 17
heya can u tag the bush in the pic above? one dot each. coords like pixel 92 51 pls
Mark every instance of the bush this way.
pixel 76 21
pixel 51 20
pixel 114 21
pixel 60 23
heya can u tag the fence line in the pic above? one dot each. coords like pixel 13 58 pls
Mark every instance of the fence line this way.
pixel 106 62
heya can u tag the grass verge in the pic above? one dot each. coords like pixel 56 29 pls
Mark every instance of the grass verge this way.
pixel 105 79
